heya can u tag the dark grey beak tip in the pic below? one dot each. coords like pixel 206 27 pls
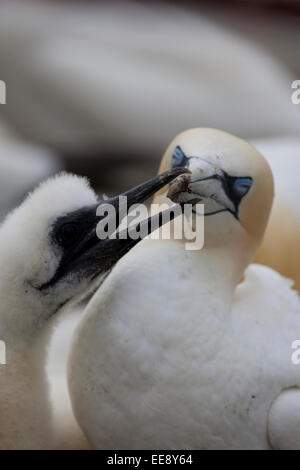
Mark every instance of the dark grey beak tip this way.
pixel 174 172
pixel 145 190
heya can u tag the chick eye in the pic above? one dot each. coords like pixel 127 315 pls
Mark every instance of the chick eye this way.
pixel 241 186
pixel 68 234
pixel 178 158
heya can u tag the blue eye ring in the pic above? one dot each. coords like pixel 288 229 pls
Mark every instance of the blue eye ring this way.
pixel 179 158
pixel 241 186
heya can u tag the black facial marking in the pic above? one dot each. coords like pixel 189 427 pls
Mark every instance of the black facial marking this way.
pixel 67 234
pixel 67 230
pixel 213 213
pixel 236 188
pixel 73 234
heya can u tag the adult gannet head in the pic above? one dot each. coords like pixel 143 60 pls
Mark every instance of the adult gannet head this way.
pixel 230 177
pixel 49 249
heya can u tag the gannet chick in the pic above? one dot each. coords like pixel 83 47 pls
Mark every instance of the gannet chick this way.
pixel 173 351
pixel 50 256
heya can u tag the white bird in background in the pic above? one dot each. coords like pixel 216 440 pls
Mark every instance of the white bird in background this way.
pixel 174 352
pixel 282 237
pixel 50 256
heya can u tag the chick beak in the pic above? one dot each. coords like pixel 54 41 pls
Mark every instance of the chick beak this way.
pixel 93 255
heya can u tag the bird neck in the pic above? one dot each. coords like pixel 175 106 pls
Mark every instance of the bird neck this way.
pixel 25 413
pixel 228 262
pixel 218 270
pixel 22 314
pixel 223 257
pixel 205 281
pixel 230 249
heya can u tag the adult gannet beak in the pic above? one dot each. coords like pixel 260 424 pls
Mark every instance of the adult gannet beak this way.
pixel 212 186
pixel 223 191
pixel 87 255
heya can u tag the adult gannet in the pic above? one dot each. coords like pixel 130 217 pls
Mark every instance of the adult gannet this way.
pixel 50 255
pixel 173 352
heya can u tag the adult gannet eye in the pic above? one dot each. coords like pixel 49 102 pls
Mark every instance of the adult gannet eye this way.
pixel 240 186
pixel 67 234
pixel 178 158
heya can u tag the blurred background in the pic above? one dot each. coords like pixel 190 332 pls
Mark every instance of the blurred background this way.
pixel 100 88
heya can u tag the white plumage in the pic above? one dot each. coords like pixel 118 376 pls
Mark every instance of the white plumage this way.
pixel 173 351
pixel 28 259
pixel 50 258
